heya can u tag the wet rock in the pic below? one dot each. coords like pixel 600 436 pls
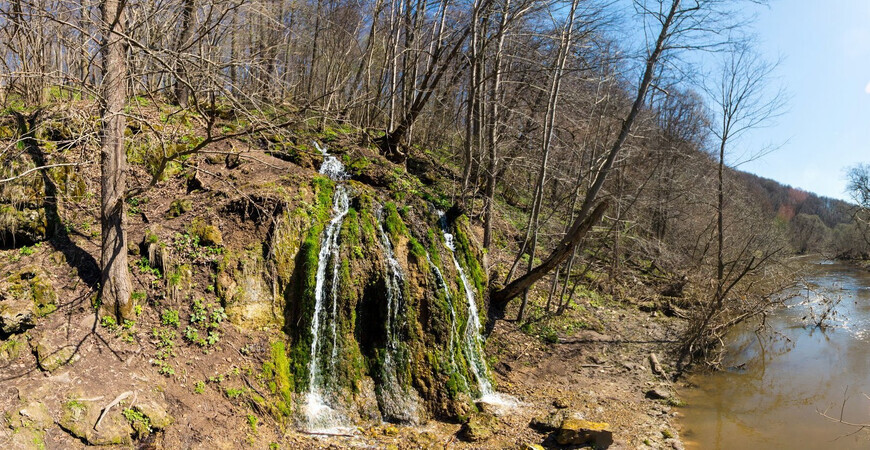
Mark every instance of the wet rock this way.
pixel 575 431
pixel 658 394
pixel 479 427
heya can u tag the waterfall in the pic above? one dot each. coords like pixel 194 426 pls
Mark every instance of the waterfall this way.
pixel 318 413
pixel 473 337
pixel 396 402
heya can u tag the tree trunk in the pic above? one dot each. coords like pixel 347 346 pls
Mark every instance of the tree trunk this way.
pixel 182 88
pixel 560 254
pixel 115 286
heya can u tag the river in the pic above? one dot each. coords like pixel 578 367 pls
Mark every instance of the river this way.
pixel 780 383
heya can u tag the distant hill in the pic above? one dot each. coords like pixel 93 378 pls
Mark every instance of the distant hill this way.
pixel 787 202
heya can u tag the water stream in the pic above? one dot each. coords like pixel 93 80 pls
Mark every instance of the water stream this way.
pixel 473 336
pixel 397 402
pixel 779 386
pixel 320 415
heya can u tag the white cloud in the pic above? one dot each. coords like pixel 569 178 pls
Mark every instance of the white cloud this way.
pixel 867 88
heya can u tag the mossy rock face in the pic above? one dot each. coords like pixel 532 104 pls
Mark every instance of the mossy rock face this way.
pixel 79 417
pixel 26 437
pixel 23 226
pixel 25 296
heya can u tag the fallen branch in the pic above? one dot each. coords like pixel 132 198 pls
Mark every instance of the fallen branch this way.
pixel 114 402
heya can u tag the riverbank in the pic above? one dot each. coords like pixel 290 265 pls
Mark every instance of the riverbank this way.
pixel 793 384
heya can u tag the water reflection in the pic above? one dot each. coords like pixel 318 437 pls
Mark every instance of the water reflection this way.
pixel 777 382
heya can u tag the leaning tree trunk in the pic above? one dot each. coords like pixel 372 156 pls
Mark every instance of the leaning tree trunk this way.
pixel 115 287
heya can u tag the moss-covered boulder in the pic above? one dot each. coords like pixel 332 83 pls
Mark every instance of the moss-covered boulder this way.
pixel 25 295
pixel 51 354
pixel 79 418
pixel 575 431
pixel 479 427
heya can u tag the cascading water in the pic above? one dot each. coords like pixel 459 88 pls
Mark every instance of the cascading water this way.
pixel 319 415
pixel 473 337
pixel 397 402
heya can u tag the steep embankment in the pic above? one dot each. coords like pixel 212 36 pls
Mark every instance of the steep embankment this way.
pixel 275 300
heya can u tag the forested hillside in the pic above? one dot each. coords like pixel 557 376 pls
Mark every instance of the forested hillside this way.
pixel 319 215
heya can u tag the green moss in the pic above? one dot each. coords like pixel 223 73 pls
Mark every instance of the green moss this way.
pixel 140 422
pixel 205 234
pixel 465 254
pixel 179 207
pixel 277 373
pixel 393 222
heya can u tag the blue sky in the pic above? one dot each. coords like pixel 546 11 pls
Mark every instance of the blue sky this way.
pixel 825 46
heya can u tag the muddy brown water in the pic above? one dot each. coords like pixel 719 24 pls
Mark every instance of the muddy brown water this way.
pixel 779 385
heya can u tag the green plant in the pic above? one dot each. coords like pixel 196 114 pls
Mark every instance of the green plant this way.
pixel 140 422
pixel 199 387
pixel 144 266
pixel 26 251
pixel 252 422
pixel 165 369
pixel 675 402
pixel 109 323
pixel 234 393
pixel 213 337
pixel 134 205
pixel 169 318
pixel 192 335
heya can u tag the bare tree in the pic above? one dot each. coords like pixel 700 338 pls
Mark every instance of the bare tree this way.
pixel 115 289
pixel 740 104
